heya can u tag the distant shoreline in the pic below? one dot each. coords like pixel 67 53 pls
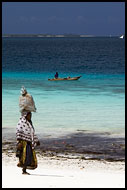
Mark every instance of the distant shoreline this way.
pixel 45 35
pixel 51 35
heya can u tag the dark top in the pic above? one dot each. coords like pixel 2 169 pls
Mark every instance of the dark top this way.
pixel 56 75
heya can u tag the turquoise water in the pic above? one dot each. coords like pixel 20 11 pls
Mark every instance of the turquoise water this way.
pixel 96 102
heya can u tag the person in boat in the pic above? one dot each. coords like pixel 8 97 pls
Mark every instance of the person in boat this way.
pixel 56 75
pixel 26 140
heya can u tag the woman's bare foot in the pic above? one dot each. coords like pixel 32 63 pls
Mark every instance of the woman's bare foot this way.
pixel 26 173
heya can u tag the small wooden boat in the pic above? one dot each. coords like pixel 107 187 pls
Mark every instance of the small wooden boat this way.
pixel 67 78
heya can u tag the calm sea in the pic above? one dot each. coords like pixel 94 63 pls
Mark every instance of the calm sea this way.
pixel 95 103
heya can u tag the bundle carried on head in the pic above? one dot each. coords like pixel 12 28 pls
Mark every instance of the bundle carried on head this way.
pixel 26 102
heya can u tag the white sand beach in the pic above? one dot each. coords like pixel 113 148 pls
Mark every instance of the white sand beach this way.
pixel 60 172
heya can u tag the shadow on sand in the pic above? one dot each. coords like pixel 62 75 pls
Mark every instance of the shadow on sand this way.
pixel 43 175
pixel 92 145
pixel 86 144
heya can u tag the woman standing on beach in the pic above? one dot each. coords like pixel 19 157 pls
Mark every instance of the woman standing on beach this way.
pixel 25 134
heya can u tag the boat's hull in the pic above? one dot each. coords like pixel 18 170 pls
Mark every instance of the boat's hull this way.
pixel 68 78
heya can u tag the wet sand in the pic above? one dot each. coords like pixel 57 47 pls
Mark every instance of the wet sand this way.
pixel 81 144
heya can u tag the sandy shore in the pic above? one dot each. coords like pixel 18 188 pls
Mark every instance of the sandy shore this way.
pixel 58 172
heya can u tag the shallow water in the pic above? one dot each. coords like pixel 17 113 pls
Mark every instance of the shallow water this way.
pixel 93 103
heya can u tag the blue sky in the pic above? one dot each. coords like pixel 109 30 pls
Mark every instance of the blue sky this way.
pixel 90 18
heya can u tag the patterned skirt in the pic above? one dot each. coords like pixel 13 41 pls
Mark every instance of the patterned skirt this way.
pixel 27 156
